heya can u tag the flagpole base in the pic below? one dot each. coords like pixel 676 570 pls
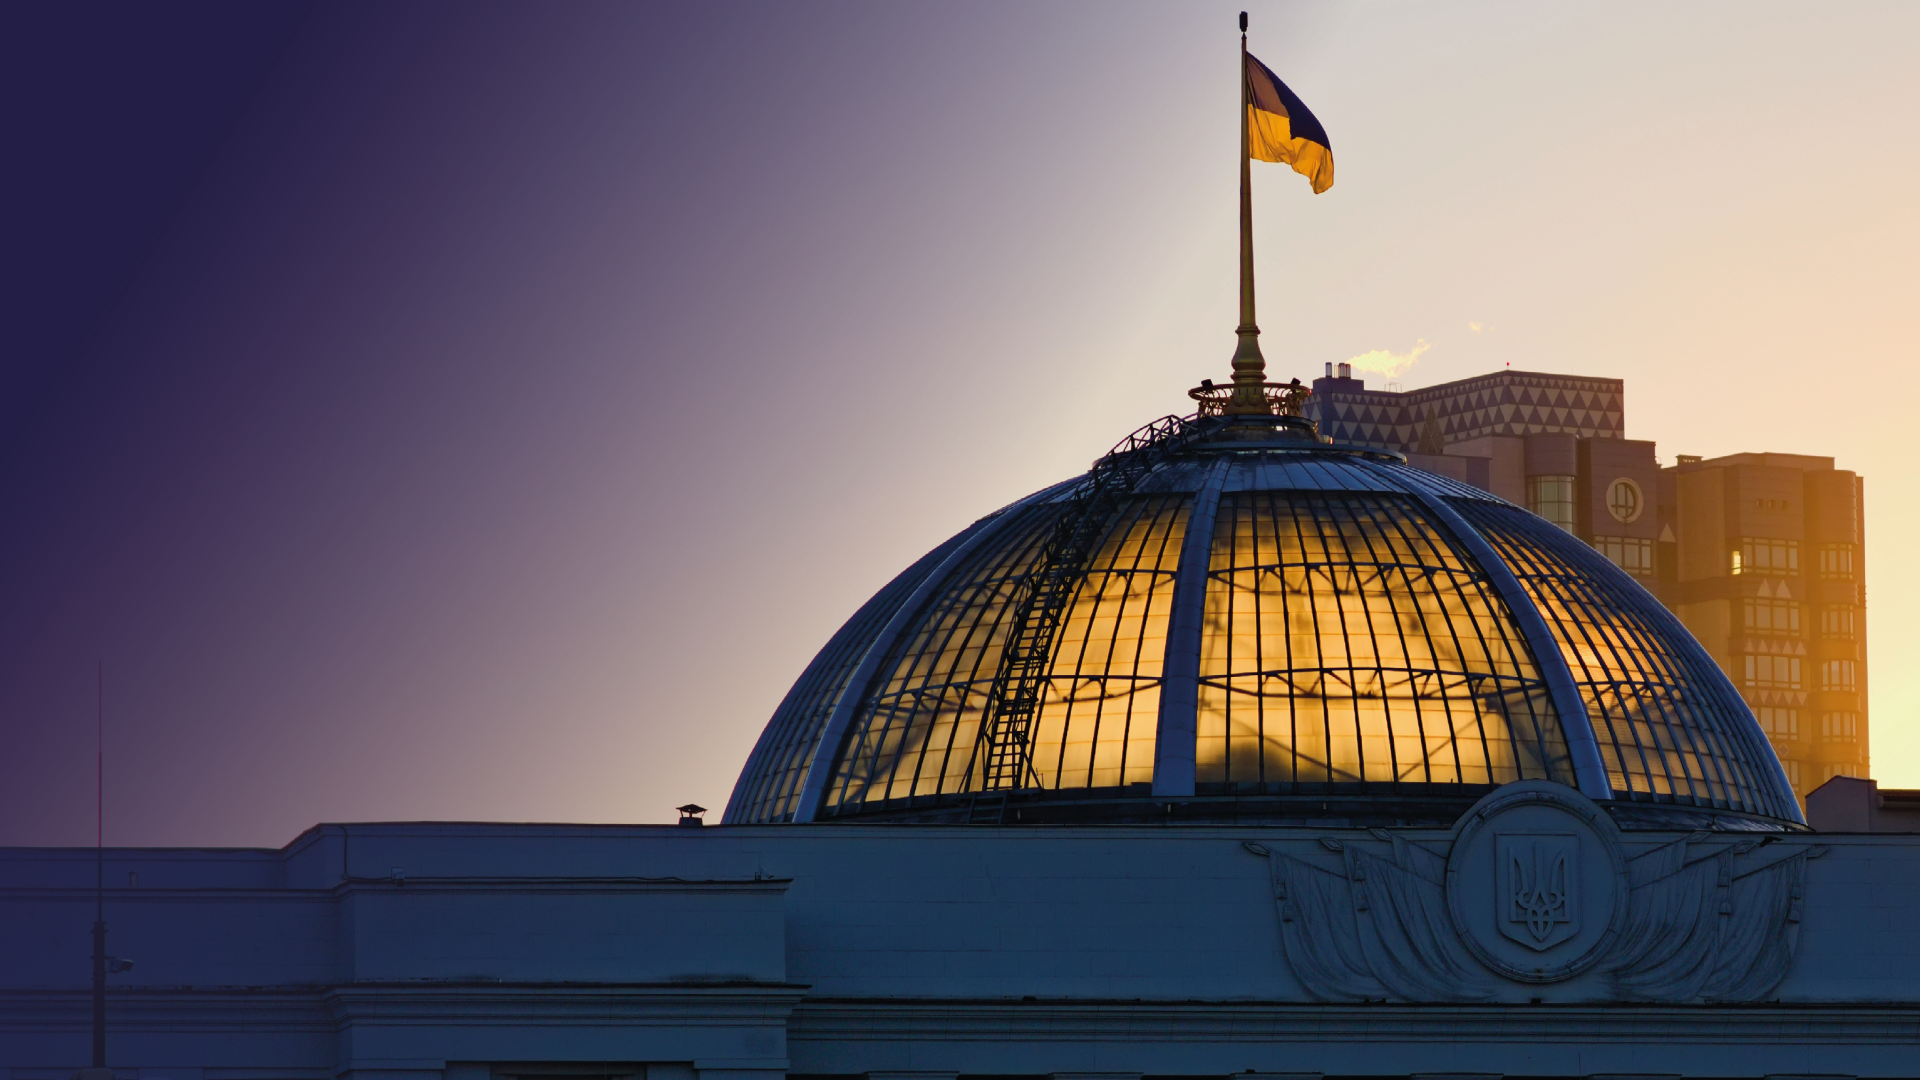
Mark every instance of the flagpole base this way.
pixel 1270 399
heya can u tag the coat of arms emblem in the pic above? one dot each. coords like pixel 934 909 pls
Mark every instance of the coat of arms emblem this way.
pixel 1536 887
pixel 1539 888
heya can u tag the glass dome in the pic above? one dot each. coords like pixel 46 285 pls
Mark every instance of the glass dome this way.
pixel 1229 620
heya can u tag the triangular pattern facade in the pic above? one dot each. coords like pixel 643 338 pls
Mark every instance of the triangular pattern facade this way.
pixel 1503 403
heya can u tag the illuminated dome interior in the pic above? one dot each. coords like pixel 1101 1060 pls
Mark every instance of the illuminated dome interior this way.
pixel 1230 620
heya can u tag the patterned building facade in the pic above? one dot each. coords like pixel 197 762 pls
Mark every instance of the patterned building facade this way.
pixel 1505 403
pixel 1761 555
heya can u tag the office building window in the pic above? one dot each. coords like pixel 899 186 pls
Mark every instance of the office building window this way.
pixel 1836 674
pixel 1771 616
pixel 1624 500
pixel 1840 769
pixel 1552 498
pixel 1779 723
pixel 1836 622
pixel 1836 560
pixel 1758 555
pixel 1840 726
pixel 1793 773
pixel 1626 552
pixel 1774 672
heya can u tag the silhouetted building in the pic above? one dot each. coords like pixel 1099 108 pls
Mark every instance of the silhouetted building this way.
pixel 1761 555
pixel 1850 804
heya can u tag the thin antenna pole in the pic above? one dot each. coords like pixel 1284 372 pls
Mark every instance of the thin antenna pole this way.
pixel 1249 367
pixel 99 789
pixel 100 867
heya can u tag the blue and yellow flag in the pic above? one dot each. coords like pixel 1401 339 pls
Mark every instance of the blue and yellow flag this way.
pixel 1279 128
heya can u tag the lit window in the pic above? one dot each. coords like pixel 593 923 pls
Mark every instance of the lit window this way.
pixel 1774 672
pixel 1629 553
pixel 1784 723
pixel 1836 622
pixel 1552 498
pixel 1624 500
pixel 1836 560
pixel 1840 726
pixel 1836 674
pixel 1765 616
pixel 1758 555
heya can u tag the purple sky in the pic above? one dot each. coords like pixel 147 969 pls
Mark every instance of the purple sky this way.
pixel 484 411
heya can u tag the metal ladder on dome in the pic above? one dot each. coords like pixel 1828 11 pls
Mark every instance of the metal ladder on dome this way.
pixel 1004 753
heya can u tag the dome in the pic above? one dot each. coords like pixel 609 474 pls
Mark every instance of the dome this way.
pixel 1228 619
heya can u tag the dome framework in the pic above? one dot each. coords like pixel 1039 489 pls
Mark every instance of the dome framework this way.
pixel 1228 619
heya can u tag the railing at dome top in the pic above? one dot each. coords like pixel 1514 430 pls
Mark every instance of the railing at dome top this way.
pixel 1282 399
pixel 1004 753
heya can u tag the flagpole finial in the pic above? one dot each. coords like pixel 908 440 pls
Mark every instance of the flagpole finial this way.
pixel 1243 22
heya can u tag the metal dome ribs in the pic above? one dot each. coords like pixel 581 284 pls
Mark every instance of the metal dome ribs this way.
pixel 1004 753
pixel 1234 644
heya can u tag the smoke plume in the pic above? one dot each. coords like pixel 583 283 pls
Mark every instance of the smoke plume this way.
pixel 1386 364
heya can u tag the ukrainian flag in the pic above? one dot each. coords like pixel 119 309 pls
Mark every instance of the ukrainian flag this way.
pixel 1279 128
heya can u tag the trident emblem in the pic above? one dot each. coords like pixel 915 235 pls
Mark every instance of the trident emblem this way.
pixel 1537 884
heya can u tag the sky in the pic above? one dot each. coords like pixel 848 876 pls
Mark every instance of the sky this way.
pixel 483 411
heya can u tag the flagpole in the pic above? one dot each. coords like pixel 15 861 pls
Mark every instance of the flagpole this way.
pixel 1249 367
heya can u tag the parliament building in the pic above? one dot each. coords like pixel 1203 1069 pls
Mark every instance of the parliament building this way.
pixel 1263 749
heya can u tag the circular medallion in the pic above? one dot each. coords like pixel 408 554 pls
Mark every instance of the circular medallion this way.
pixel 1625 500
pixel 1536 884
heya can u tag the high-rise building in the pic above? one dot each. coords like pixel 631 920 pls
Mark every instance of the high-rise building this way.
pixel 1768 570
pixel 1761 555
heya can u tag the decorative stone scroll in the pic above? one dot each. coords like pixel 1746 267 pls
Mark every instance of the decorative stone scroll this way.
pixel 1534 888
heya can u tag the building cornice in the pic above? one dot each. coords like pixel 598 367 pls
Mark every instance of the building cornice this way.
pixel 1079 1020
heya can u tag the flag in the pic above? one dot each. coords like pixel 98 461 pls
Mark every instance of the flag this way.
pixel 1279 128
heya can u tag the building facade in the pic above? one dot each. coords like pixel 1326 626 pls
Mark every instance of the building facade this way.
pixel 1768 569
pixel 1761 555
pixel 926 952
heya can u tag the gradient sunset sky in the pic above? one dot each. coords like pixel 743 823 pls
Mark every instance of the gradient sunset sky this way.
pixel 484 411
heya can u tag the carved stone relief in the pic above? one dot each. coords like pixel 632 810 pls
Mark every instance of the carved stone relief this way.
pixel 1534 888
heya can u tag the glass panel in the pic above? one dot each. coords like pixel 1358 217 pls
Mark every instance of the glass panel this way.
pixel 1666 723
pixel 1346 640
pixel 1764 616
pixel 1632 554
pixel 1097 722
pixel 1101 713
pixel 769 787
pixel 921 724
pixel 1551 497
pixel 1836 560
pixel 1765 556
pixel 1623 500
